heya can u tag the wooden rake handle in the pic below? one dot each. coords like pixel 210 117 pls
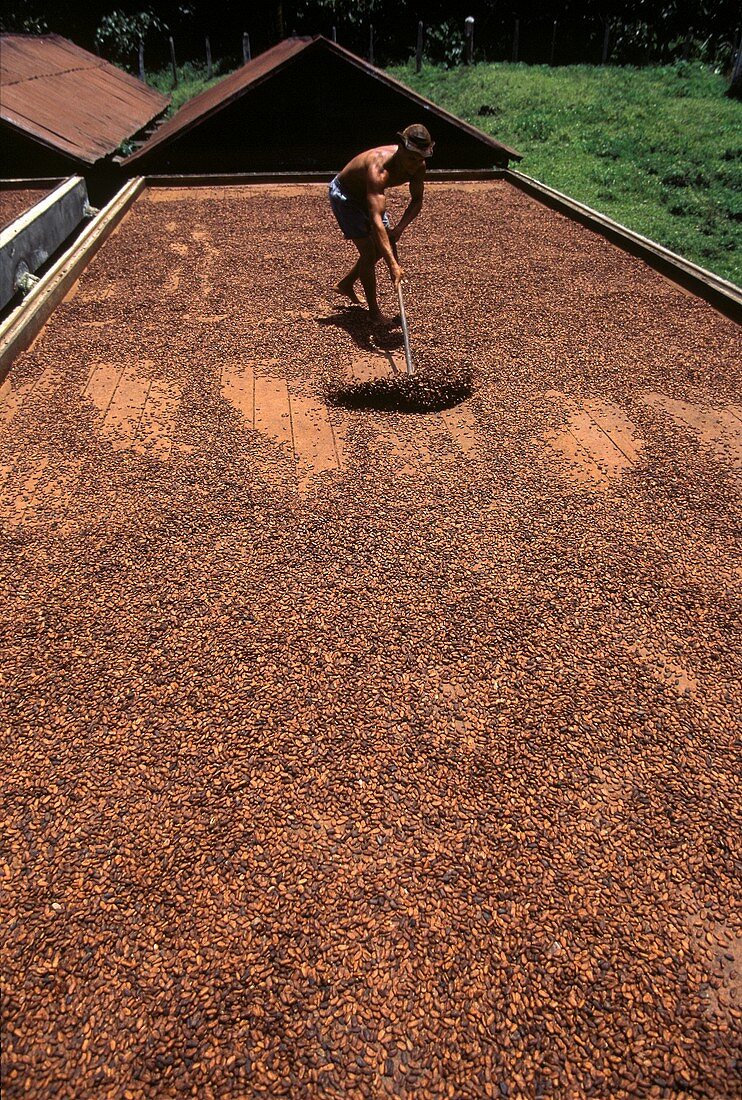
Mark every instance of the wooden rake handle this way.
pixel 405 333
pixel 407 353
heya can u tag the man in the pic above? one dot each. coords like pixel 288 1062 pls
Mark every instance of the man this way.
pixel 358 200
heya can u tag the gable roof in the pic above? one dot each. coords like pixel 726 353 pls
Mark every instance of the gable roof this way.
pixel 276 61
pixel 224 92
pixel 69 100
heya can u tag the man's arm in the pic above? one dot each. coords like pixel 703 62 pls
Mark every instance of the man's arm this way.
pixel 415 205
pixel 376 209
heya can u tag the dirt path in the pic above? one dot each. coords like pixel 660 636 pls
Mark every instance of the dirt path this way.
pixel 360 754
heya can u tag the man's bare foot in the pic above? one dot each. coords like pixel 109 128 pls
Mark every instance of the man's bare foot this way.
pixel 345 287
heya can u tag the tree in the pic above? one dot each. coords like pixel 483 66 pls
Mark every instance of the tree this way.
pixel 119 35
pixel 735 88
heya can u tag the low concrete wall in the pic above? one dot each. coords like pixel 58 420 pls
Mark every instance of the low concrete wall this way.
pixel 19 329
pixel 28 242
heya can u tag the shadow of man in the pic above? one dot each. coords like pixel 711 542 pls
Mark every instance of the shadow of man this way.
pixel 363 332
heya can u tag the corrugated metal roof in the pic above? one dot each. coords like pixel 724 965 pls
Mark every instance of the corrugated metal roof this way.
pixel 69 99
pixel 267 64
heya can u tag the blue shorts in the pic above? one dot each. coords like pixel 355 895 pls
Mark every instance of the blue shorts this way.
pixel 353 219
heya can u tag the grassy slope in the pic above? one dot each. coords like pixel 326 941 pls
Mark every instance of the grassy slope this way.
pixel 658 149
pixel 191 82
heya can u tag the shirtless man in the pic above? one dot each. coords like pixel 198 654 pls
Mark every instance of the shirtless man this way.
pixel 357 197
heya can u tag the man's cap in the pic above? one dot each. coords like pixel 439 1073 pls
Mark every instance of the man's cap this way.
pixel 418 140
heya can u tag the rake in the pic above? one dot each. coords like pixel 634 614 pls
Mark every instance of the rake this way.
pixel 405 332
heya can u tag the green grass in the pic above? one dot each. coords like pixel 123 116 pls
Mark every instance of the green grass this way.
pixel 658 149
pixel 191 81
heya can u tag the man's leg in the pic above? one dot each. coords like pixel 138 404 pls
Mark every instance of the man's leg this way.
pixel 368 257
pixel 346 285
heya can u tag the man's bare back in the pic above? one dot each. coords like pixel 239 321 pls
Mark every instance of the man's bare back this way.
pixel 375 170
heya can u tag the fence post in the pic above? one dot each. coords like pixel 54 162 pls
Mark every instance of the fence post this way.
pixel 141 59
pixel 469 38
pixel 606 40
pixel 419 48
pixel 246 55
pixel 553 43
pixel 172 61
pixel 516 39
pixel 371 44
pixel 334 34
pixel 735 85
pixel 208 58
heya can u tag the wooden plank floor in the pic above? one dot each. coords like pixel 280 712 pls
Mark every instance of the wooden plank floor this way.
pixel 136 409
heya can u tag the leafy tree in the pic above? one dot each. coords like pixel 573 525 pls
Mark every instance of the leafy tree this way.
pixel 25 16
pixel 641 30
pixel 119 35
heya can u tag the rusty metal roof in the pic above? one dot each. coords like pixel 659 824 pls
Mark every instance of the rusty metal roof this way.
pixel 271 62
pixel 69 99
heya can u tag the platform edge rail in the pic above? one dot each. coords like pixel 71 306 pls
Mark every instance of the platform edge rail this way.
pixel 35 183
pixel 222 179
pixel 720 293
pixel 24 323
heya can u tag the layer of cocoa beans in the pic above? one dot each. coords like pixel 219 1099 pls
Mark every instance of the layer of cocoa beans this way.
pixel 16 201
pixel 415 777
